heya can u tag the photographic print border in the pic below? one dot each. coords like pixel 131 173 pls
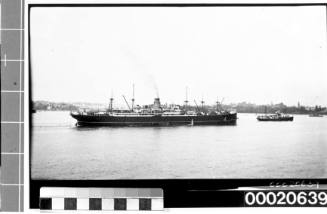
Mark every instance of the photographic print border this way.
pixel 177 192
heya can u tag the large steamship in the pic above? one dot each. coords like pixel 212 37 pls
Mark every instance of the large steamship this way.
pixel 155 115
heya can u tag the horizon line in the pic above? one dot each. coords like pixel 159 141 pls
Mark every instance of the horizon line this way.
pixel 183 103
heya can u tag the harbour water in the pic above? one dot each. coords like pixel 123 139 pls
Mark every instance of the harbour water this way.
pixel 251 149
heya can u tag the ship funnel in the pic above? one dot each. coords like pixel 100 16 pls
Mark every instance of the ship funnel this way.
pixel 156 103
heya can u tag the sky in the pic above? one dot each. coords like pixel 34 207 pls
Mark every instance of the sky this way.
pixel 255 54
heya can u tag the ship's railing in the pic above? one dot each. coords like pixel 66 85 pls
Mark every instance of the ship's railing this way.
pixel 274 116
pixel 146 114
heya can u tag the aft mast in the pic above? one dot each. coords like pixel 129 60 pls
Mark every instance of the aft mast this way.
pixel 133 99
pixel 202 104
pixel 186 101
pixel 111 103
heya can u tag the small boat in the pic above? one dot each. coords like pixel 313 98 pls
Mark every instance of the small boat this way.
pixel 275 117
pixel 315 115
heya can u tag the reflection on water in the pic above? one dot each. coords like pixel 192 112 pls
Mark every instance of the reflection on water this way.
pixel 251 149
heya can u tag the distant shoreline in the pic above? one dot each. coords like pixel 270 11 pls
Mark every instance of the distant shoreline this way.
pixel 242 107
pixel 237 112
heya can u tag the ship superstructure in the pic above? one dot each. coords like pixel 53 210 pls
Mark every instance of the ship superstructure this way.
pixel 155 115
pixel 275 117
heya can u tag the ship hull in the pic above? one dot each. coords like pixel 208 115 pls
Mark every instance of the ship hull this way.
pixel 154 120
pixel 277 119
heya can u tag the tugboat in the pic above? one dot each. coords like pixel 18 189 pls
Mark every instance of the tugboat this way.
pixel 275 117
pixel 154 115
pixel 315 115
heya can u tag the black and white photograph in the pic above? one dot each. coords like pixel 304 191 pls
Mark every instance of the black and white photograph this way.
pixel 178 92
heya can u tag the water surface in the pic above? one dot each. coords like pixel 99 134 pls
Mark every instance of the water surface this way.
pixel 251 149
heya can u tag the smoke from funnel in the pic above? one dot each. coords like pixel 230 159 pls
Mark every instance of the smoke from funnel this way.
pixel 148 78
pixel 157 90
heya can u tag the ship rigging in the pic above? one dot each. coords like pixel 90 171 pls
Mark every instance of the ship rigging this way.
pixel 156 114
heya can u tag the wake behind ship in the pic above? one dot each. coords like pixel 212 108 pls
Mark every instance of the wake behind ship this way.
pixel 154 115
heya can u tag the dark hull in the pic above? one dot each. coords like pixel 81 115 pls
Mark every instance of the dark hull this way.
pixel 277 119
pixel 156 120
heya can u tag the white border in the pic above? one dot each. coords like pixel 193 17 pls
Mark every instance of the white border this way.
pixel 26 90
